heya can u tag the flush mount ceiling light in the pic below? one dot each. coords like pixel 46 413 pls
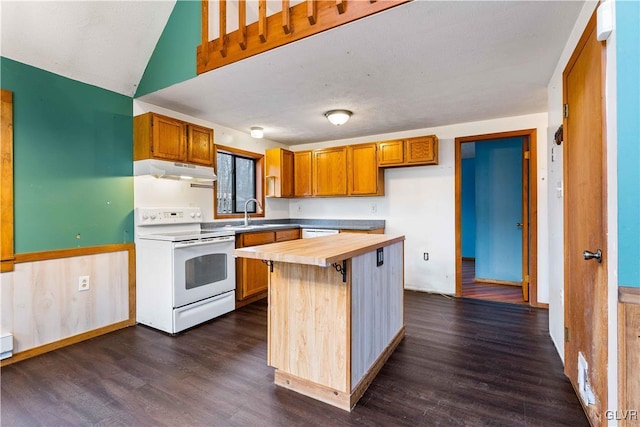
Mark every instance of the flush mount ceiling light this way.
pixel 338 117
pixel 257 132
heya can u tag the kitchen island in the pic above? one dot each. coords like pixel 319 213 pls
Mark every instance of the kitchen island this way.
pixel 335 312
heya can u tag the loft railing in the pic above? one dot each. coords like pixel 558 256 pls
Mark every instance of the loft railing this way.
pixel 243 28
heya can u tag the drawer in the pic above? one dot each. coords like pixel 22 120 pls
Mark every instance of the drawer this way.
pixel 255 239
pixel 283 235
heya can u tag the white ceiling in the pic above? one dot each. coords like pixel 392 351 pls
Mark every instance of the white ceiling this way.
pixel 422 64
pixel 103 43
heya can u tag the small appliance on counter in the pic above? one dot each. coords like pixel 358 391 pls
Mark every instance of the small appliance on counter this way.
pixel 184 275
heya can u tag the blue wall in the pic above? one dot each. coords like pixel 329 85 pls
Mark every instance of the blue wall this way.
pixel 174 58
pixel 468 208
pixel 628 92
pixel 498 208
pixel 73 161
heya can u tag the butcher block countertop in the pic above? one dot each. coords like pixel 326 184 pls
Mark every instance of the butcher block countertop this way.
pixel 320 251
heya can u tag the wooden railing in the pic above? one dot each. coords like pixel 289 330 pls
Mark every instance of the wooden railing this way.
pixel 272 24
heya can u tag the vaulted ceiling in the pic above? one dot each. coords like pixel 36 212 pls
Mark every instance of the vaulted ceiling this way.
pixel 421 64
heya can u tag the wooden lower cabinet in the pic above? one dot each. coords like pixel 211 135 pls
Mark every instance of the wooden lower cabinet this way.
pixel 252 275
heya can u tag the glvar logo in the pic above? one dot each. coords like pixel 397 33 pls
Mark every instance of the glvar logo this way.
pixel 628 414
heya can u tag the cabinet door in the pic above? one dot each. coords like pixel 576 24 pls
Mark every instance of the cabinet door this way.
pixel 279 170
pixel 284 235
pixel 422 150
pixel 364 174
pixel 330 171
pixel 252 275
pixel 391 153
pixel 302 174
pixel 256 277
pixel 168 142
pixel 200 145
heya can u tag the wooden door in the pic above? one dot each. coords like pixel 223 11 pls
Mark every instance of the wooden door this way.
pixel 168 141
pixel 585 280
pixel 330 171
pixel 363 170
pixel 302 174
pixel 200 145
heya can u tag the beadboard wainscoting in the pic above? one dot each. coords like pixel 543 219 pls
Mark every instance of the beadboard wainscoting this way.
pixel 44 309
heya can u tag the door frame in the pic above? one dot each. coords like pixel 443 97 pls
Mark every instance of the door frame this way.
pixel 531 135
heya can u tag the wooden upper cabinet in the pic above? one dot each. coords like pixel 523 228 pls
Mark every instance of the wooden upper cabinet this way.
pixel 199 145
pixel 168 140
pixel 391 152
pixel 279 172
pixel 161 137
pixel 302 185
pixel 421 150
pixel 330 171
pixel 365 178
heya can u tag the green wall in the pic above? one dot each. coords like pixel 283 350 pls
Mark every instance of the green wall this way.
pixel 174 58
pixel 73 167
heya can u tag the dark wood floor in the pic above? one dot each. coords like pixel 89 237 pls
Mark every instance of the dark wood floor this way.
pixel 462 362
pixel 487 291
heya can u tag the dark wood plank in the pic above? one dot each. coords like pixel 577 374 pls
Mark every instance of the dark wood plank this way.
pixel 462 362
pixel 487 291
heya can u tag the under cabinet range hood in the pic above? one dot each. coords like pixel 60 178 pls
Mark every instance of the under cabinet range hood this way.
pixel 173 170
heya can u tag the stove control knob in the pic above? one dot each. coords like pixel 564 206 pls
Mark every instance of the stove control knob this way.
pixel 145 216
pixel 153 216
pixel 193 214
pixel 198 215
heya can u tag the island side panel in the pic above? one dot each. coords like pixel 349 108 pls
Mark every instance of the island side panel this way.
pixel 309 324
pixel 377 308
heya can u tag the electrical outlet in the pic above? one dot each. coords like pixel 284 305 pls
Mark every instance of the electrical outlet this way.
pixel 374 208
pixel 425 256
pixel 83 283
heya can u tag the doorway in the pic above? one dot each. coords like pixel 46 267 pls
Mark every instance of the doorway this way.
pixel 502 268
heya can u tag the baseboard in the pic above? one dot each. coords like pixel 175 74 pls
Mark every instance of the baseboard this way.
pixel 36 351
pixel 497 282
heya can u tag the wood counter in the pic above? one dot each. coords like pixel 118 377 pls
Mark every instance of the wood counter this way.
pixel 321 251
pixel 335 312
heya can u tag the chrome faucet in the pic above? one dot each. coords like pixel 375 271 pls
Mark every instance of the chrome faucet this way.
pixel 246 214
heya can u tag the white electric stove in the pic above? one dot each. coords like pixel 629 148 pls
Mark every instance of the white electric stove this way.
pixel 184 275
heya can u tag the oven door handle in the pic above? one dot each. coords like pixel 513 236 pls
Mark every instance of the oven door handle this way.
pixel 179 245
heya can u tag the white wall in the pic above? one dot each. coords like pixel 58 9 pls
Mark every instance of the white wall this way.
pixel 154 192
pixel 40 302
pixel 419 202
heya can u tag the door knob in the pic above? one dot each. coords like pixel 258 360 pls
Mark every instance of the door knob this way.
pixel 597 255
pixel 519 224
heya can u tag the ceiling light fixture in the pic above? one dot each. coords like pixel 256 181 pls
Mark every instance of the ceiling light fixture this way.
pixel 338 117
pixel 257 132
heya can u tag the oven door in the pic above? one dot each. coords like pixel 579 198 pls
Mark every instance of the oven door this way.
pixel 203 269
